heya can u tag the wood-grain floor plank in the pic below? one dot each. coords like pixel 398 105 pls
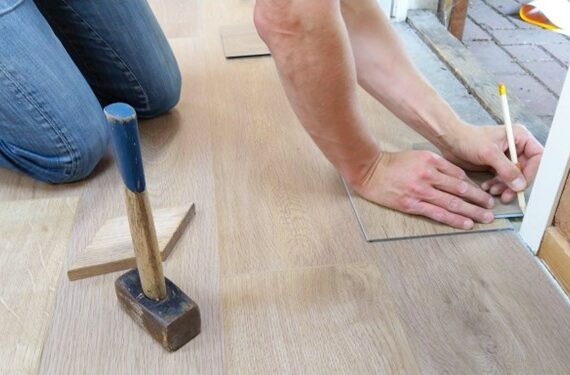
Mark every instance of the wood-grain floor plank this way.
pixel 477 304
pixel 323 320
pixel 280 203
pixel 35 235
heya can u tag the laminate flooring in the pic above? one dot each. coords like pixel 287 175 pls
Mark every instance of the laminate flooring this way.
pixel 274 258
pixel 34 238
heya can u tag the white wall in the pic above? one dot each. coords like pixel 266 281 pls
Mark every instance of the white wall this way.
pixel 422 4
pixel 399 8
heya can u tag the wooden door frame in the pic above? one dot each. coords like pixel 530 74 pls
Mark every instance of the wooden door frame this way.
pixel 551 176
pixel 452 13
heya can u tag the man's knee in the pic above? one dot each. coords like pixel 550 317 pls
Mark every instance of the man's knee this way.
pixel 270 17
pixel 72 157
pixel 278 20
pixel 162 92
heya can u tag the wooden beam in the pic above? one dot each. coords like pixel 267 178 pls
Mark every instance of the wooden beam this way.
pixel 452 14
pixel 457 18
pixel 555 253
pixel 112 248
pixel 562 215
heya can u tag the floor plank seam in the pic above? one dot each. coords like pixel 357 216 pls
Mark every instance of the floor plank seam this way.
pixel 436 235
pixel 358 220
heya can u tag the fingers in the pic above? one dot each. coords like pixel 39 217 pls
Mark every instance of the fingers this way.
pixel 529 150
pixel 442 216
pixel 493 181
pixel 450 169
pixel 457 205
pixel 467 191
pixel 507 196
pixel 505 168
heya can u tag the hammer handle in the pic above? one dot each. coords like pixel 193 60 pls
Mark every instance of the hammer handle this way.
pixel 145 243
pixel 122 119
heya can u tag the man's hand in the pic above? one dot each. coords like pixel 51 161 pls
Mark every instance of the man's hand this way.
pixel 424 183
pixel 484 147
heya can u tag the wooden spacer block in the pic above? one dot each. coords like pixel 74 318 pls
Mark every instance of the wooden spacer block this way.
pixel 172 321
pixel 112 249
pixel 242 41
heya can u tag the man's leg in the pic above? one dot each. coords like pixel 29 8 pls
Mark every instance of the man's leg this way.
pixel 51 124
pixel 120 49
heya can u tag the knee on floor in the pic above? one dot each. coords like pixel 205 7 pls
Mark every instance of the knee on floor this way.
pixel 162 93
pixel 71 158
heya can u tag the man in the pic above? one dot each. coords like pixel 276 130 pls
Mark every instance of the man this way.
pixel 322 49
pixel 52 127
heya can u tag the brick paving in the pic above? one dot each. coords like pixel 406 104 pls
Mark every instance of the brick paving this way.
pixel 531 61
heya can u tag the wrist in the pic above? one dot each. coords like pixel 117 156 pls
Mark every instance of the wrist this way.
pixel 359 171
pixel 452 135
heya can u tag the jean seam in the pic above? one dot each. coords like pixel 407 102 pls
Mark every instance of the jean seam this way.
pixel 124 67
pixel 4 11
pixel 29 96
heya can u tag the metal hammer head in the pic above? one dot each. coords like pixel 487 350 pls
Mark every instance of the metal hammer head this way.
pixel 173 321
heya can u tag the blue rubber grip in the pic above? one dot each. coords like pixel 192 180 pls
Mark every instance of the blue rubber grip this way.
pixel 122 119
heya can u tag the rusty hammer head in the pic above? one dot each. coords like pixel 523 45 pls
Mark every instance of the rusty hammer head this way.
pixel 153 301
pixel 172 321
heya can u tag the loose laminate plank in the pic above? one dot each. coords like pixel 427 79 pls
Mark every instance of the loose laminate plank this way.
pixel 242 41
pixel 35 236
pixel 477 304
pixel 501 210
pixel 323 320
pixel 380 223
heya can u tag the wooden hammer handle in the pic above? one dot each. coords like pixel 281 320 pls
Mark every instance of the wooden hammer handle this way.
pixel 122 119
pixel 145 243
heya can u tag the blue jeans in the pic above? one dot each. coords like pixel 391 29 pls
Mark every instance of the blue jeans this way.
pixel 60 61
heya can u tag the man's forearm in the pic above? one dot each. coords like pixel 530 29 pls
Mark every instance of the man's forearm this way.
pixel 386 72
pixel 311 49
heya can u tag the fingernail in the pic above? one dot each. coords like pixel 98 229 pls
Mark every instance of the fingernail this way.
pixel 488 217
pixel 518 183
pixel 494 190
pixel 468 224
pixel 491 203
pixel 484 186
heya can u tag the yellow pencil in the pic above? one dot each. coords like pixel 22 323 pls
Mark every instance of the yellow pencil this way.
pixel 511 139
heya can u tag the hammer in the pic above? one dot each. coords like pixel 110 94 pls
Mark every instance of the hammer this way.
pixel 153 301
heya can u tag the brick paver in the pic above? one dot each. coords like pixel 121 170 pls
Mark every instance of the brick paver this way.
pixel 495 58
pixel 528 52
pixel 560 52
pixel 530 60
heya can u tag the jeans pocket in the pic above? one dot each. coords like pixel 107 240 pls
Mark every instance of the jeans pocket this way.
pixel 8 5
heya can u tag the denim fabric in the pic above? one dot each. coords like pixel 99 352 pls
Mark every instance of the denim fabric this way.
pixel 59 61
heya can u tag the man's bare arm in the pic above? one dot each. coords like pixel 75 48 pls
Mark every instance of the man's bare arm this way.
pixel 312 51
pixel 310 45
pixel 386 72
